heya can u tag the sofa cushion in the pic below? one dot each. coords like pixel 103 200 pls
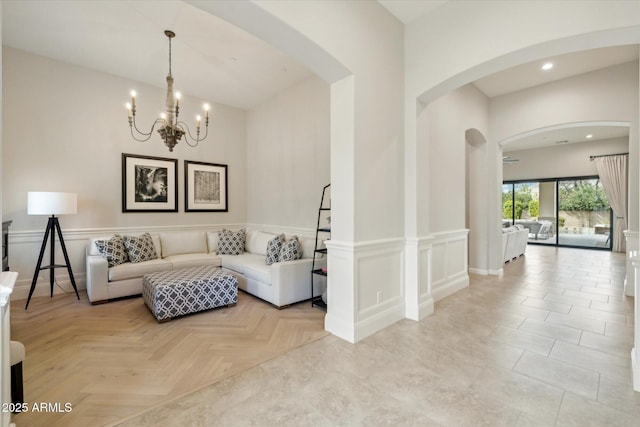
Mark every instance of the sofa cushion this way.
pixel 140 248
pixel 256 242
pixel 273 249
pixel 237 262
pixel 291 250
pixel 194 260
pixel 188 242
pixel 130 270
pixel 231 242
pixel 113 250
pixel 256 269
pixel 308 247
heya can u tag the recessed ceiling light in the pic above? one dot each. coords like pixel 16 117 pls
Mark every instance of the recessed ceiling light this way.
pixel 589 136
pixel 547 66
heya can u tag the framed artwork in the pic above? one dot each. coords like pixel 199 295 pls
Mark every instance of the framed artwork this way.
pixel 205 187
pixel 149 184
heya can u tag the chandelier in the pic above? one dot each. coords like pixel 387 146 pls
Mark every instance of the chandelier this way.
pixel 170 129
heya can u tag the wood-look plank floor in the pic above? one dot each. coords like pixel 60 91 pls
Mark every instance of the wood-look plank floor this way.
pixel 114 360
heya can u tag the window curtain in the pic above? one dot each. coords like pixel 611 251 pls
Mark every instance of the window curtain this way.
pixel 613 174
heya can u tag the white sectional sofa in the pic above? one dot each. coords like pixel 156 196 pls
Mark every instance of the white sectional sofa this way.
pixel 514 242
pixel 281 283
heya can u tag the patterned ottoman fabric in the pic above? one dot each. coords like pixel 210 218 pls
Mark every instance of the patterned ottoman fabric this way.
pixel 175 293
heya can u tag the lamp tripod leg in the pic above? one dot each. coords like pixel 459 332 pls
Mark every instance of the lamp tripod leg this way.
pixel 66 257
pixel 37 272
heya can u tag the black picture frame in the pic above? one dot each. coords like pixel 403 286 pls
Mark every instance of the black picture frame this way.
pixel 149 184
pixel 205 187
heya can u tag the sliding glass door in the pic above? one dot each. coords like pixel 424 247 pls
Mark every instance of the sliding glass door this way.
pixel 559 211
pixel 585 214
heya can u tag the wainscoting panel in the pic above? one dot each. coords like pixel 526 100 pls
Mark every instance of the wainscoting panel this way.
pixel 449 263
pixel 377 282
pixel 418 298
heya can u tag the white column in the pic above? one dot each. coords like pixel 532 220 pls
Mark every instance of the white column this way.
pixel 635 355
pixel 632 245
pixel 7 282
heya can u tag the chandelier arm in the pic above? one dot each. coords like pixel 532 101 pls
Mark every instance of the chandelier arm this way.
pixel 187 133
pixel 132 125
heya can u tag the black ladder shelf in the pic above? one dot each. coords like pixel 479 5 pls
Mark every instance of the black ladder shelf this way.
pixel 323 232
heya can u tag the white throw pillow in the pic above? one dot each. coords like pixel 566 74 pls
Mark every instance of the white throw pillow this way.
pixel 187 242
pixel 256 242
pixel 212 241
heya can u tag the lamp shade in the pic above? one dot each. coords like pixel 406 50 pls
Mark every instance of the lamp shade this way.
pixel 51 203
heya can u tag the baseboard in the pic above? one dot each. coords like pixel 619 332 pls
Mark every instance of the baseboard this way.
pixel 629 288
pixel 450 288
pixel 499 272
pixel 479 271
pixel 43 289
pixel 420 311
pixel 340 328
pixel 379 321
pixel 355 332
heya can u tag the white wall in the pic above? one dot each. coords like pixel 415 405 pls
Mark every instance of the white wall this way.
pixel 288 156
pixel 561 161
pixel 368 40
pixel 449 117
pixel 65 128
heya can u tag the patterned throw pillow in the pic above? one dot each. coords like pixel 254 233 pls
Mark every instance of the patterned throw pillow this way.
pixel 140 248
pixel 273 249
pixel 113 250
pixel 291 250
pixel 231 243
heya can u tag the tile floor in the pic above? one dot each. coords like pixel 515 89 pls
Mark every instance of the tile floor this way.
pixel 547 344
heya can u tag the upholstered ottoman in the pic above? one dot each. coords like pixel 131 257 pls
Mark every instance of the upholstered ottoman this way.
pixel 183 291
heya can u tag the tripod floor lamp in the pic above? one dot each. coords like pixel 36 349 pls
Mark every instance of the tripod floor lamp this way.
pixel 51 203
